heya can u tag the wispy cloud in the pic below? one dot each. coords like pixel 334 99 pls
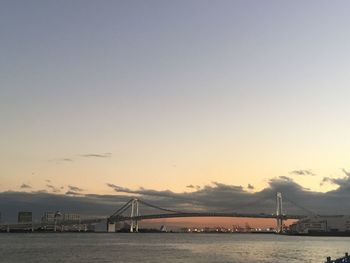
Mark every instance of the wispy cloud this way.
pixel 119 188
pixel 191 186
pixel 75 188
pixel 302 172
pixel 62 160
pixel 67 159
pixel 97 155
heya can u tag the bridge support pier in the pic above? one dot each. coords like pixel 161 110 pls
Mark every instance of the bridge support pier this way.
pixel 279 213
pixel 134 226
pixel 279 225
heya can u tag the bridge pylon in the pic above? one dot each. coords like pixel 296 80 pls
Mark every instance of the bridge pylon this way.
pixel 279 212
pixel 134 226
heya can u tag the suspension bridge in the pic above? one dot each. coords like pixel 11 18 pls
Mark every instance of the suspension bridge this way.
pixel 134 216
pixel 130 212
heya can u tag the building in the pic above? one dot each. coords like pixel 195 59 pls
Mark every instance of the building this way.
pixel 25 217
pixel 322 224
pixel 71 217
pixel 51 217
pixel 48 217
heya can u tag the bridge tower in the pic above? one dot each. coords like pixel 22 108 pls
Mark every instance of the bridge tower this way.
pixel 279 212
pixel 134 226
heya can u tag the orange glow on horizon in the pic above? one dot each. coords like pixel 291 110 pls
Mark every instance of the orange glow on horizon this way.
pixel 215 222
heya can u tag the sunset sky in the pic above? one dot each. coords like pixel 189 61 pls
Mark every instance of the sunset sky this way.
pixel 173 95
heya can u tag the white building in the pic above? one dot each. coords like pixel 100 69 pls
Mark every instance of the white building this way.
pixel 319 224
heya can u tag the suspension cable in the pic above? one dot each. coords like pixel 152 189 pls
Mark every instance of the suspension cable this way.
pixel 159 208
pixel 301 207
pixel 122 209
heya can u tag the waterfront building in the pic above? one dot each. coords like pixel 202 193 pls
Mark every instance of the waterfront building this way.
pixel 71 217
pixel 25 217
pixel 51 217
pixel 48 217
pixel 322 224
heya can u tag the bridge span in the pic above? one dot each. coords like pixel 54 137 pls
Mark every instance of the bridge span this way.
pixel 134 217
pixel 130 212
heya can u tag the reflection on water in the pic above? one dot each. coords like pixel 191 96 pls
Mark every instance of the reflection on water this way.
pixel 168 248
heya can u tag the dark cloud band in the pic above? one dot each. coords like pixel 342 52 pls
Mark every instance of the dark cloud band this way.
pixel 216 197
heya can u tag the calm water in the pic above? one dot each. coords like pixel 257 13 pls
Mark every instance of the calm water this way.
pixel 168 248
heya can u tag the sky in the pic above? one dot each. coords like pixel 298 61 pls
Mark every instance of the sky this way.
pixel 173 96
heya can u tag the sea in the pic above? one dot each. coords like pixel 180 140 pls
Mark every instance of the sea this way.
pixel 167 247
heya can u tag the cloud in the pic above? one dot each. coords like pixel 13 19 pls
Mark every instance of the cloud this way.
pixel 25 186
pixel 96 155
pixel 336 181
pixel 75 188
pixel 53 188
pixel 120 189
pixel 191 186
pixel 250 187
pixel 72 193
pixel 284 178
pixel 346 172
pixel 215 197
pixel 302 172
pixel 60 160
pixel 39 191
pixel 40 201
pixel 343 183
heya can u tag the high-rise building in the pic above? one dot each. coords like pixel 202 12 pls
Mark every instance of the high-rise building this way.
pixel 25 217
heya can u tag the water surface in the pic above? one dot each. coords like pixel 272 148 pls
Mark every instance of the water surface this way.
pixel 141 247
